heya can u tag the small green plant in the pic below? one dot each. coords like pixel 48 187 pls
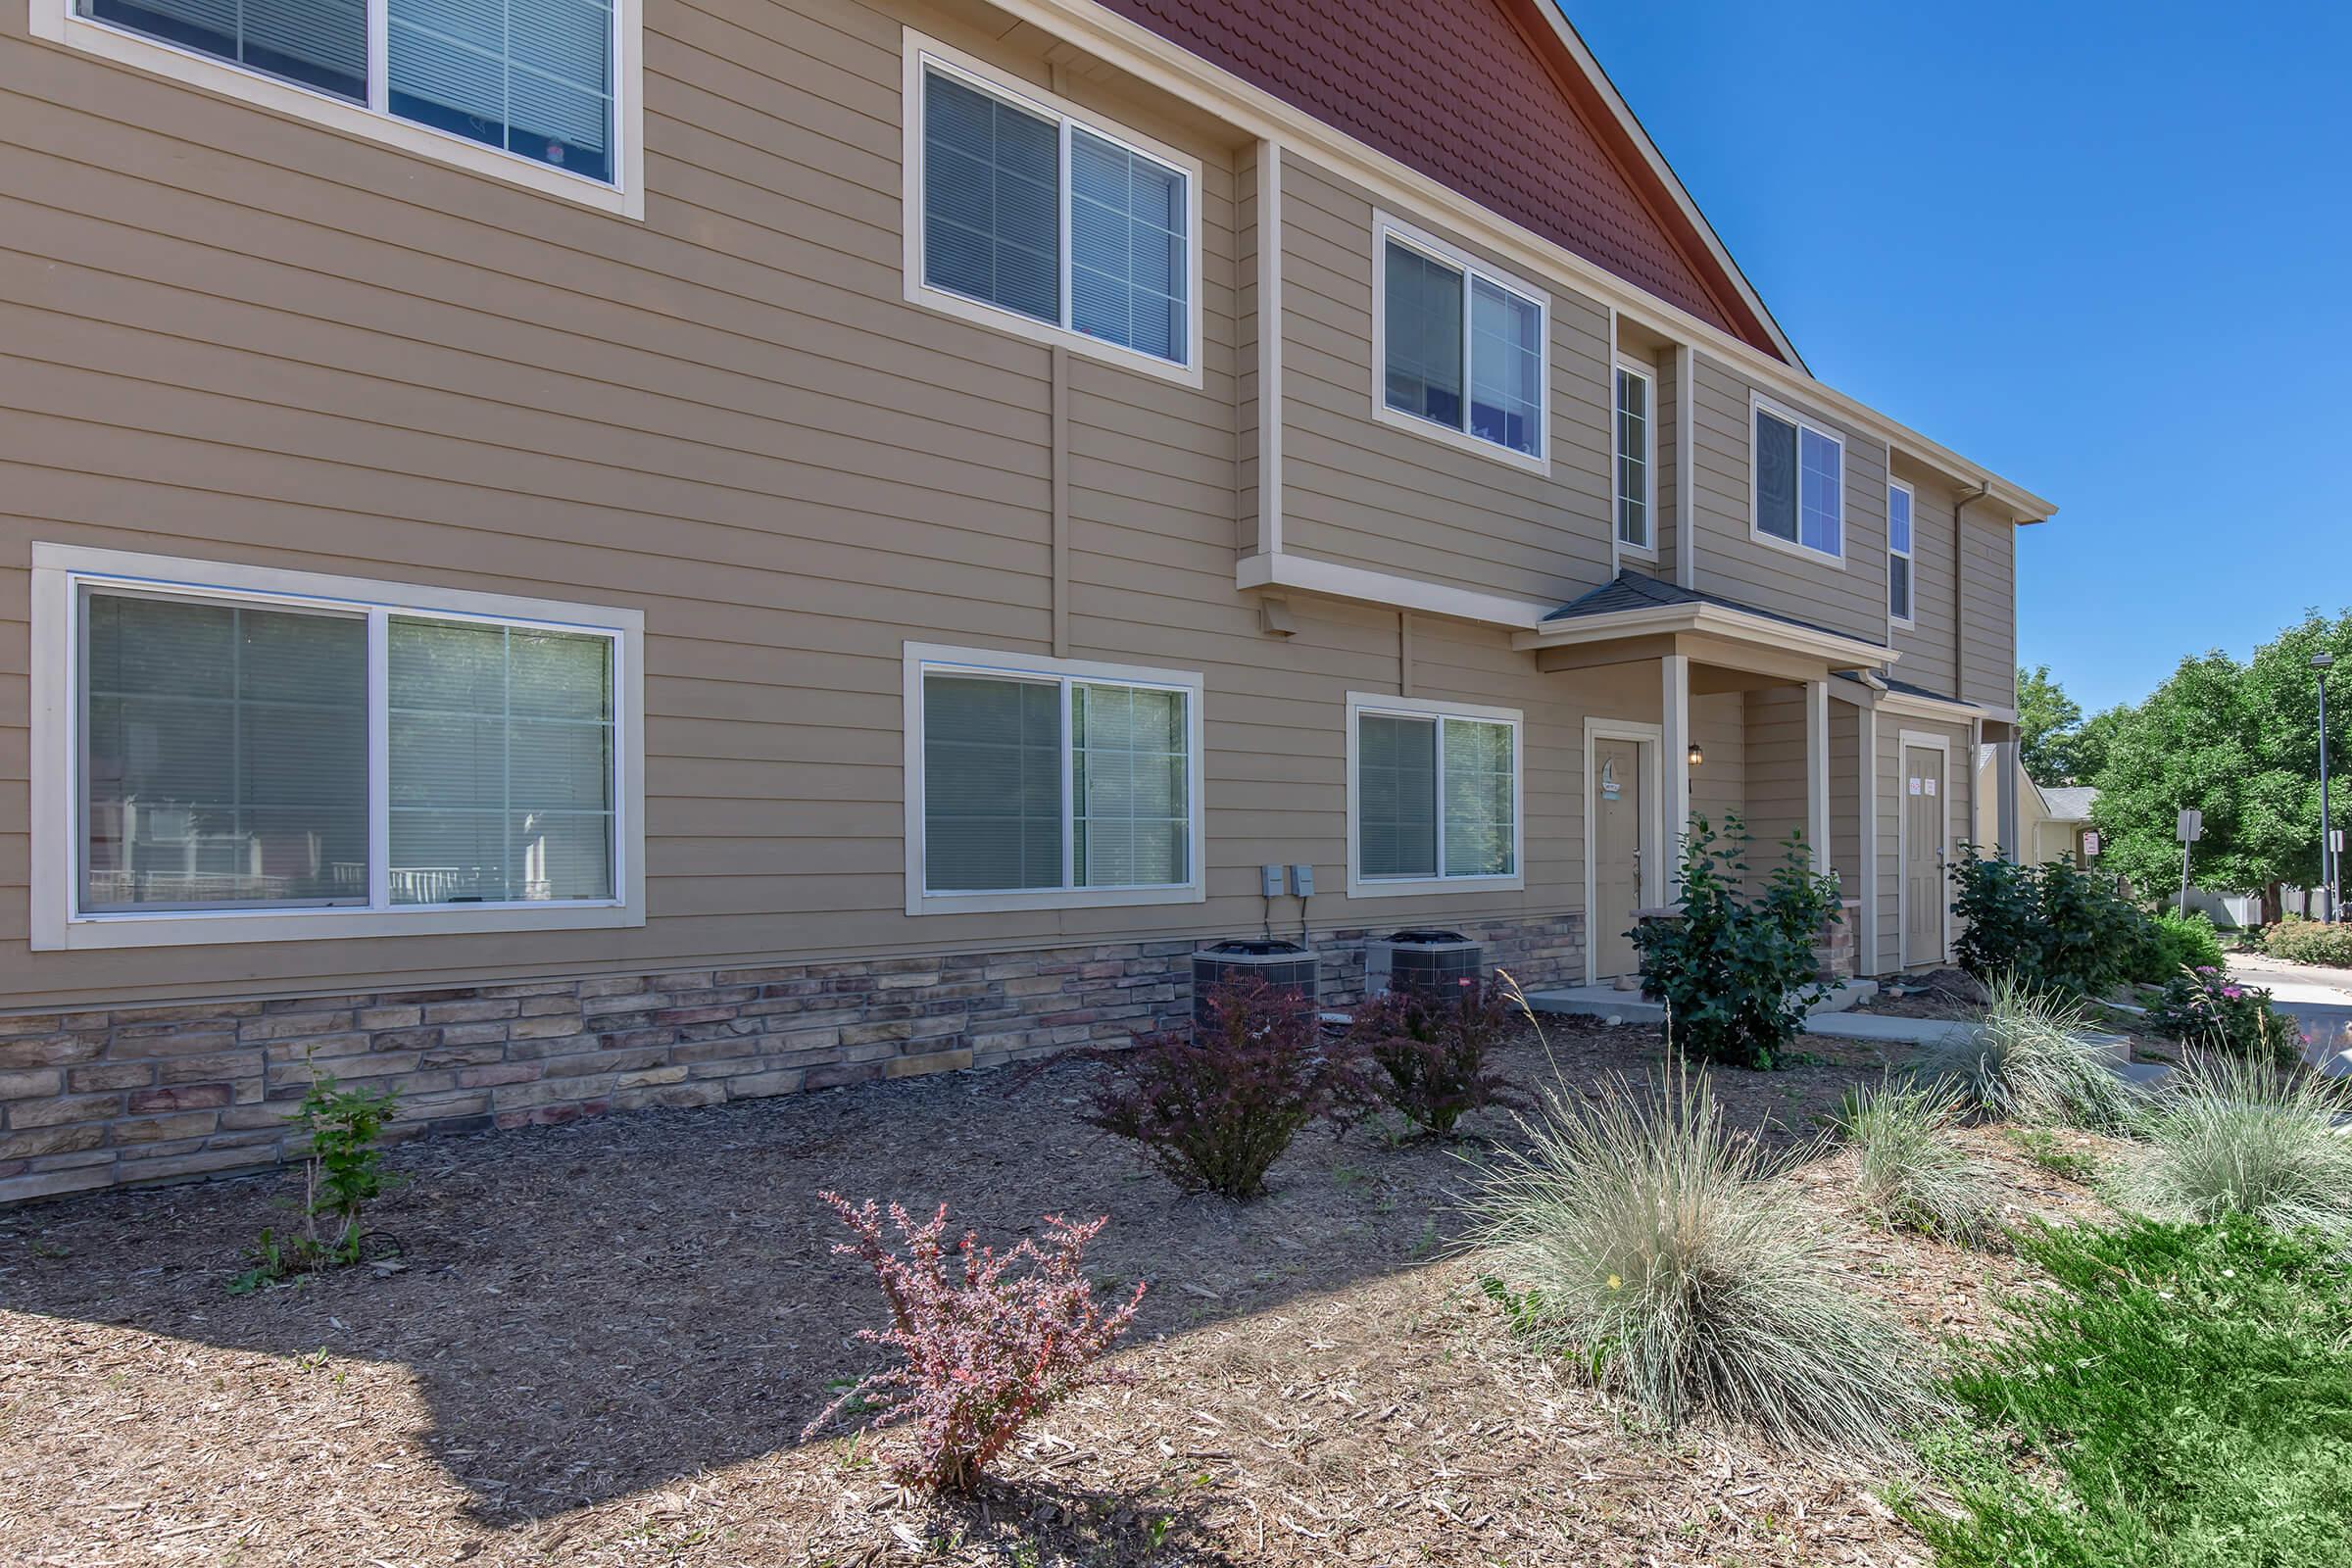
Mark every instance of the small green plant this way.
pixel 2044 1151
pixel 2030 1059
pixel 2239 1136
pixel 2053 926
pixel 1911 1170
pixel 1630 1232
pixel 2298 941
pixel 2181 942
pixel 343 1173
pixel 1737 973
pixel 2206 1008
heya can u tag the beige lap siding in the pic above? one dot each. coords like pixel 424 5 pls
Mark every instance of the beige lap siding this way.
pixel 1368 493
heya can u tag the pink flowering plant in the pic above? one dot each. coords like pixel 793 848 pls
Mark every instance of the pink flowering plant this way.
pixel 987 1340
pixel 2204 1007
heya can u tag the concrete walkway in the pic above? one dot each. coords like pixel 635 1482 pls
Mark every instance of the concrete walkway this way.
pixel 2319 1000
pixel 1629 1007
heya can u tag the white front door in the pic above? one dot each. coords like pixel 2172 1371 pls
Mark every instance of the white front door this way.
pixel 1924 816
pixel 1615 794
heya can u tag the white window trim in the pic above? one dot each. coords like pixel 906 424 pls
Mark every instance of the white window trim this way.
pixel 59 574
pixel 1896 623
pixel 1360 886
pixel 1647 375
pixel 922 54
pixel 1757 401
pixel 57 22
pixel 1386 227
pixel 921 658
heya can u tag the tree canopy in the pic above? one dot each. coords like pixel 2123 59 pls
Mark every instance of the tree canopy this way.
pixel 2241 743
pixel 2047 718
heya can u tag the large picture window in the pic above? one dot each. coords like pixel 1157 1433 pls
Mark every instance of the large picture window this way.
pixel 1050 781
pixel 1461 348
pixel 1798 483
pixel 313 752
pixel 1432 795
pixel 1048 218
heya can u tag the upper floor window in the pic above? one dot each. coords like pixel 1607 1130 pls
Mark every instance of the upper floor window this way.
pixel 1049 782
pixel 1898 551
pixel 1637 459
pixel 1433 796
pixel 1459 347
pixel 542 95
pixel 1798 482
pixel 536 81
pixel 1081 232
pixel 291 748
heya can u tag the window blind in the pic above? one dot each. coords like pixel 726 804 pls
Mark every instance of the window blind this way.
pixel 992 200
pixel 1479 807
pixel 1506 367
pixel 1127 248
pixel 533 77
pixel 1423 328
pixel 1396 782
pixel 224 755
pixel 322 44
pixel 501 754
pixel 1129 762
pixel 992 783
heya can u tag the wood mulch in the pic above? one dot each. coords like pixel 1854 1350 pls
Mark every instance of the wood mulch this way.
pixel 604 1340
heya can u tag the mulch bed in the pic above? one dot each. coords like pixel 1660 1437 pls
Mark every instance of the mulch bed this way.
pixel 606 1338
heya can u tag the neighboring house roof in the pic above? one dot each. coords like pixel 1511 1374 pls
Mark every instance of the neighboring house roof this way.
pixel 2069 803
pixel 1499 100
pixel 1631 590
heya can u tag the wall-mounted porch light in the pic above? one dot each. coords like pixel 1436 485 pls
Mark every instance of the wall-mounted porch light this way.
pixel 1698 754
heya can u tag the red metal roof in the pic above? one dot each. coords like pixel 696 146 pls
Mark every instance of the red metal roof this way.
pixel 1482 96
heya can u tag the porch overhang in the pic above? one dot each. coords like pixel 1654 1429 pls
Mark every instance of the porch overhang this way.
pixel 1715 634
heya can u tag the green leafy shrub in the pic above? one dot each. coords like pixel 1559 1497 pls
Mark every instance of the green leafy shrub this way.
pixel 343 1173
pixel 2299 941
pixel 2179 1397
pixel 1630 1232
pixel 1215 1108
pixel 2181 942
pixel 2052 925
pixel 2205 1008
pixel 2029 1058
pixel 1736 972
pixel 1911 1171
pixel 1428 1052
pixel 2234 1136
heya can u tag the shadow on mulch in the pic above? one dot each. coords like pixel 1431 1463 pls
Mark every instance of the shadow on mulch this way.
pixel 594 1309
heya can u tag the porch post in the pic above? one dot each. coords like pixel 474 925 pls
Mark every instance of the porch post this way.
pixel 1866 940
pixel 1817 772
pixel 1674 748
pixel 2004 795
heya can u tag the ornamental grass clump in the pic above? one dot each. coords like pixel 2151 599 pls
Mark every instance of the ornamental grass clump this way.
pixel 1427 1052
pixel 1665 1258
pixel 1911 1171
pixel 988 1340
pixel 1215 1109
pixel 2238 1136
pixel 2032 1059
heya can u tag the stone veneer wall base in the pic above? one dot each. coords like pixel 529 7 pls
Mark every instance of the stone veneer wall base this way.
pixel 101 1097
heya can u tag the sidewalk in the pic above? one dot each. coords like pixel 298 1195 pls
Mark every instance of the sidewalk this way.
pixel 2319 1000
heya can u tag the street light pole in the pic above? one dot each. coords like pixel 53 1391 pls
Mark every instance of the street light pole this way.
pixel 2324 662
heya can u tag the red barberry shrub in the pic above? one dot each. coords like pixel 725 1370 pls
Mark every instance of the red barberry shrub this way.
pixel 988 1340
pixel 1428 1052
pixel 1217 1107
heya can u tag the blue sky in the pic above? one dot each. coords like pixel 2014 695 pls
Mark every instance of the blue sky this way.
pixel 2105 249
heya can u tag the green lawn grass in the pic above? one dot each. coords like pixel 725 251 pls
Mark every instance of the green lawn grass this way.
pixel 2182 1399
